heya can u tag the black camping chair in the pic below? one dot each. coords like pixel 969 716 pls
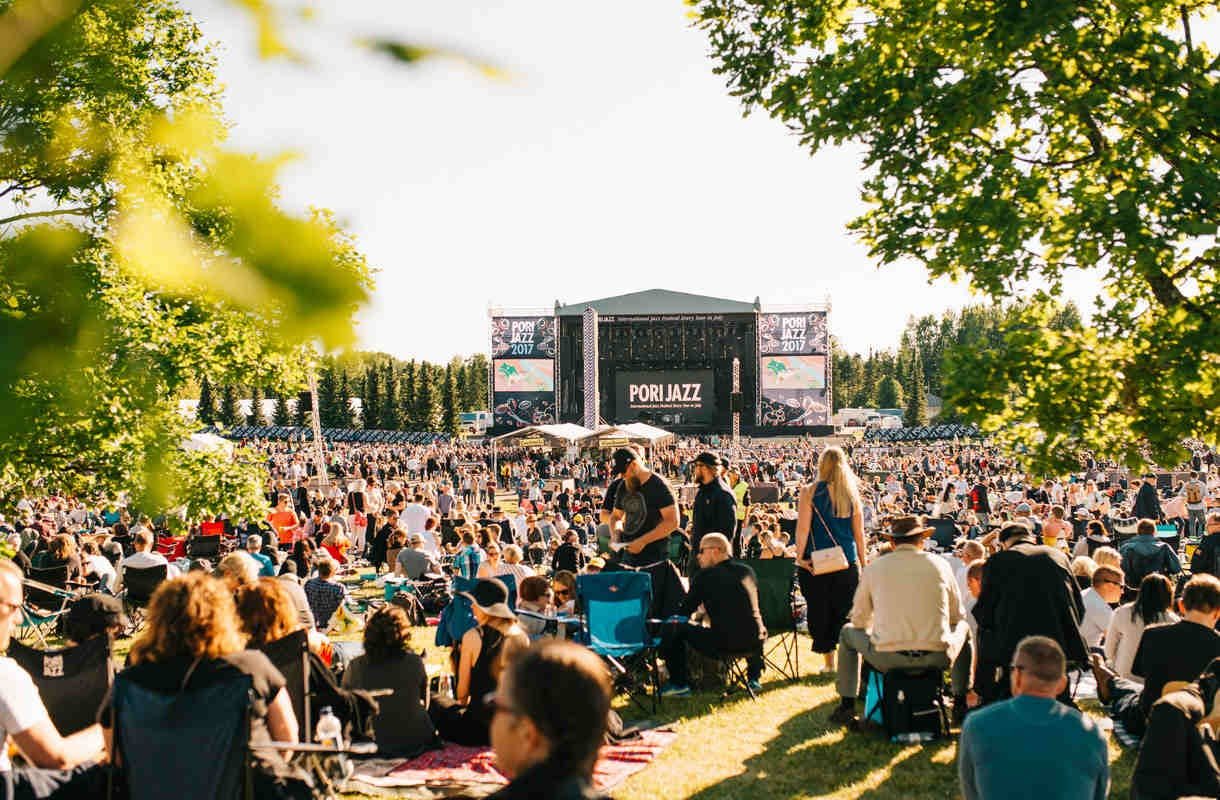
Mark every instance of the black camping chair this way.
pixel 139 583
pixel 72 681
pixel 777 603
pixel 203 547
pixel 290 655
pixel 47 596
pixel 944 532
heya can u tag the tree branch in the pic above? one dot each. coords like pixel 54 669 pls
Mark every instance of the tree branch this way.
pixel 1190 46
pixel 83 211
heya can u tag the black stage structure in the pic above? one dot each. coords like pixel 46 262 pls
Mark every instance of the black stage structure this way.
pixel 665 358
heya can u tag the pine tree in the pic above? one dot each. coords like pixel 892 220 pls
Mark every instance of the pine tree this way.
pixel 370 397
pixel 228 414
pixel 345 414
pixel 282 415
pixel 889 393
pixel 917 401
pixel 256 415
pixel 450 419
pixel 390 412
pixel 300 411
pixel 205 412
pixel 425 397
pixel 406 397
pixel 328 393
pixel 474 392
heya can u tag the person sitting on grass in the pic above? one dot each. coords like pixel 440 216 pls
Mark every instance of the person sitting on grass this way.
pixel 549 721
pixel 1179 755
pixel 403 727
pixel 1151 606
pixel 484 652
pixel 1006 749
pixel 1106 589
pixel 728 592
pixel 1177 652
pixel 325 594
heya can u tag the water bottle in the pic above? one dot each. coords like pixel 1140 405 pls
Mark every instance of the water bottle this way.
pixel 328 731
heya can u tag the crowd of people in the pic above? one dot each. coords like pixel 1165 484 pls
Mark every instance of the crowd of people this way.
pixel 910 561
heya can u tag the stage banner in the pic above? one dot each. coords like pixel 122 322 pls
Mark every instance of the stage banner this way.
pixel 792 372
pixel 519 409
pixel 805 333
pixel 524 375
pixel 665 397
pixel 522 337
pixel 794 407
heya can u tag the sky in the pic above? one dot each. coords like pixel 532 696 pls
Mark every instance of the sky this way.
pixel 612 160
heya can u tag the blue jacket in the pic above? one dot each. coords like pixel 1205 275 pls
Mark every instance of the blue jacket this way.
pixel 1145 555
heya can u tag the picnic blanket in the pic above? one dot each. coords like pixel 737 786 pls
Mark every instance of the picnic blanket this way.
pixel 471 771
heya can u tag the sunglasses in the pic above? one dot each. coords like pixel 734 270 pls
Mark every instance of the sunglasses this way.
pixel 495 705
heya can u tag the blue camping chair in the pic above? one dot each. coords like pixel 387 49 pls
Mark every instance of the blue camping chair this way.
pixel 614 609
pixel 457 617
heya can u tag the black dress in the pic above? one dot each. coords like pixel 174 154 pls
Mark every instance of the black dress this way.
pixel 470 724
pixel 402 725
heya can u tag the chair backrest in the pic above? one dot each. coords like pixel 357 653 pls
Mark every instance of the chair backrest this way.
pixel 188 745
pixel 290 655
pixel 944 531
pixel 51 576
pixel 141 582
pixel 72 681
pixel 615 607
pixel 776 578
pixel 203 547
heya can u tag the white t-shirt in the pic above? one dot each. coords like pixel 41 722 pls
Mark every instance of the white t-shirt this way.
pixel 21 706
pixel 414 516
pixel 101 567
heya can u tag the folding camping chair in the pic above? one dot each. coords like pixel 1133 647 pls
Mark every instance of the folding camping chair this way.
pixel 458 616
pixel 203 547
pixel 44 604
pixel 72 681
pixel 290 655
pixel 614 609
pixel 776 593
pixel 139 583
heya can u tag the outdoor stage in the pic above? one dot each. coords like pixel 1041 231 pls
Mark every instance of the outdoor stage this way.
pixel 665 358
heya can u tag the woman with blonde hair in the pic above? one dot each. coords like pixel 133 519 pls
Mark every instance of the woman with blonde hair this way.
pixel 829 516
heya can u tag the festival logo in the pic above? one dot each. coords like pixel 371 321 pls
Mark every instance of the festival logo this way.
pixel 669 397
pixel 792 408
pixel 523 337
pixel 795 334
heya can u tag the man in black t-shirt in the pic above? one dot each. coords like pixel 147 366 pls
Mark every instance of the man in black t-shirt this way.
pixel 728 592
pixel 1174 652
pixel 648 507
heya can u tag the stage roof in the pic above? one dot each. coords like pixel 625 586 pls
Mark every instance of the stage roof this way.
pixel 655 302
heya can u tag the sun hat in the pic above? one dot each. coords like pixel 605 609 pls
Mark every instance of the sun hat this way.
pixel 491 597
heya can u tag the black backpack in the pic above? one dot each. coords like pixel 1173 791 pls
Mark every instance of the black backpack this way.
pixel 410 602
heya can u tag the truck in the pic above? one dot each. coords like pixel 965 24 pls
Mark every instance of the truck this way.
pixel 475 423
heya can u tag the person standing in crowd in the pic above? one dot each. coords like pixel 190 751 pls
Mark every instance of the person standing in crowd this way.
pixel 568 557
pixel 1147 503
pixel 1027 590
pixel 829 515
pixel 714 509
pixel 466 563
pixel 1177 652
pixel 728 592
pixel 1144 554
pixel 648 507
pixel 741 493
pixel 1194 494
pixel 1003 751
pixel 549 722
pixel 907 614
pixel 59 766
pixel 415 515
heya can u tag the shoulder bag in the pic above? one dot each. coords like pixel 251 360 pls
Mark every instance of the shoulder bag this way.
pixel 829 559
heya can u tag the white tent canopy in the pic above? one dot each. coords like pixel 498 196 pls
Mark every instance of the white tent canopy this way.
pixel 636 432
pixel 566 433
pixel 206 442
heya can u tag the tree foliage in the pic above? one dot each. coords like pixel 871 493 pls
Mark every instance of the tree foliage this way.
pixel 1012 144
pixel 916 412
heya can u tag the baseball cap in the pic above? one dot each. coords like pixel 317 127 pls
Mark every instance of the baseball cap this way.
pixel 1023 508
pixel 622 457
pixel 707 459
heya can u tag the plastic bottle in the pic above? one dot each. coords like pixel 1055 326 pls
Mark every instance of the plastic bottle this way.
pixel 328 731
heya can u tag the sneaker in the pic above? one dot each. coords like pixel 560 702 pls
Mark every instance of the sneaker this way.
pixel 755 686
pixel 674 690
pixel 845 715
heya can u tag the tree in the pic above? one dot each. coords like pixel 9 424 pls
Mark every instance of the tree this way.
pixel 1005 147
pixel 282 415
pixel 916 413
pixel 329 413
pixel 228 414
pixel 371 397
pixel 407 397
pixel 256 416
pixel 205 412
pixel 426 397
pixel 889 393
pixel 450 421
pixel 344 413
pixel 390 412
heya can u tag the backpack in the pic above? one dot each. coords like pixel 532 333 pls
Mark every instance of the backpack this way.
pixel 1204 560
pixel 1194 493
pixel 907 702
pixel 410 602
